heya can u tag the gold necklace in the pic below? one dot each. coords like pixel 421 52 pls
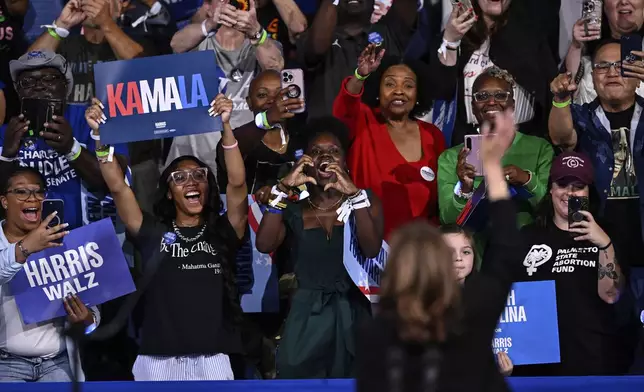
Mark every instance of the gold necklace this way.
pixel 327 233
pixel 327 208
pixel 314 207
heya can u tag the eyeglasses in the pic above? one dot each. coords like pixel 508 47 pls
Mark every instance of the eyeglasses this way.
pixel 484 96
pixel 23 194
pixel 604 66
pixel 181 177
pixel 47 81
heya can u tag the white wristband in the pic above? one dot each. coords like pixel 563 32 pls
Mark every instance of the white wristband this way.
pixel 336 2
pixel 61 31
pixel 5 159
pixel 458 192
pixel 446 44
pixel 279 196
pixel 529 178
pixel 205 31
pixel 357 202
pixel 74 152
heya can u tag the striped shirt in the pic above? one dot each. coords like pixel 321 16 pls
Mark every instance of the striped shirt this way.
pixel 188 368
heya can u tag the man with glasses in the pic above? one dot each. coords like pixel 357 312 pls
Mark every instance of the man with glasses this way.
pixel 610 130
pixel 58 145
pixel 526 163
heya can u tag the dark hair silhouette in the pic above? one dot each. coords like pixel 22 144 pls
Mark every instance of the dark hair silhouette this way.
pixel 328 125
pixel 165 210
pixel 17 170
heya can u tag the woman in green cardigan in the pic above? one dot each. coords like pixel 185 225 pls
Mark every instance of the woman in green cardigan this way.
pixel 526 163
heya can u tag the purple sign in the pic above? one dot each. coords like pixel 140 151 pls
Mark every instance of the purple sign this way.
pixel 90 264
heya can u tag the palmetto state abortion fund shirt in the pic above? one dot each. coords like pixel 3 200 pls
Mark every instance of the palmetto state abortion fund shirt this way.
pixel 63 182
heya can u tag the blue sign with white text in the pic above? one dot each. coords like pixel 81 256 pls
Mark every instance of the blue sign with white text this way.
pixel 90 264
pixel 158 97
pixel 528 330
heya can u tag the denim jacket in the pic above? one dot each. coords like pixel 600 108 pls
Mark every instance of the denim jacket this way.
pixel 594 138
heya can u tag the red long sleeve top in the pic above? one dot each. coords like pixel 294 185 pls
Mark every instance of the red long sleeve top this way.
pixel 408 190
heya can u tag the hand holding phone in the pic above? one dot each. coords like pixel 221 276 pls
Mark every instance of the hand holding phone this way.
pixel 43 237
pixel 628 44
pixel 293 83
pixel 576 204
pixel 465 171
pixel 591 12
pixel 50 206
pixel 14 134
pixel 473 143
pixel 460 20
pixel 38 112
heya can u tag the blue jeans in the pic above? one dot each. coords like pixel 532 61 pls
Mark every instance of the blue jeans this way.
pixel 14 368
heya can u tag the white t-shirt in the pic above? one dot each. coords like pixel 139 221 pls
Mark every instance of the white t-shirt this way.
pixel 42 340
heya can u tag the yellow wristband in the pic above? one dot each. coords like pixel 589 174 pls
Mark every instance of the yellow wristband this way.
pixel 358 76
pixel 561 105
pixel 263 38
pixel 54 34
pixel 75 156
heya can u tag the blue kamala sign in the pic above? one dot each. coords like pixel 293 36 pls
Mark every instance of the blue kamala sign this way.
pixel 158 97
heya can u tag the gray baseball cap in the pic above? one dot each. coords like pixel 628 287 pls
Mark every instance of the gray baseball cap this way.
pixel 42 59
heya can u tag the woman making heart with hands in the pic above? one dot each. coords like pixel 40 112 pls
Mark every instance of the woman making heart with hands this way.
pixel 316 227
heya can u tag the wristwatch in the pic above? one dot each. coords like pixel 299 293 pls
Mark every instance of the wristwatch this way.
pixel 257 36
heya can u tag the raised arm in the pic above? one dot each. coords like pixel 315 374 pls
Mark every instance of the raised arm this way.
pixel 319 36
pixel 268 52
pixel 460 22
pixel 17 8
pixel 71 16
pixel 13 257
pixel 236 190
pixel 292 16
pixel 368 211
pixel 504 234
pixel 347 105
pixel 487 293
pixel 126 205
pixel 204 23
pixel 577 46
pixel 560 125
pixel 272 229
pixel 124 47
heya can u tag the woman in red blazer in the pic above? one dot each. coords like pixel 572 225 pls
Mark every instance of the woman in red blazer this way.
pixel 392 152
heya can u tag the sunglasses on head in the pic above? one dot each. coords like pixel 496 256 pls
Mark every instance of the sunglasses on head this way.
pixel 181 177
